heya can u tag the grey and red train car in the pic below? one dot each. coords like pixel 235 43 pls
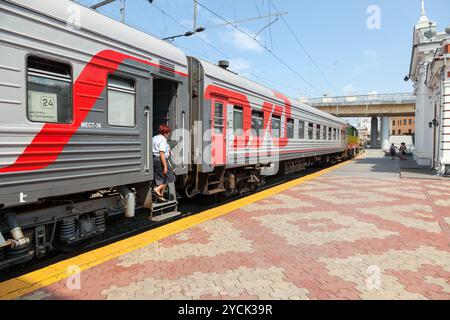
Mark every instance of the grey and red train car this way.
pixel 80 98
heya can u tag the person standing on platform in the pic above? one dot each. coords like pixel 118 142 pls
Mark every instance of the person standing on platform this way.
pixel 393 151
pixel 403 151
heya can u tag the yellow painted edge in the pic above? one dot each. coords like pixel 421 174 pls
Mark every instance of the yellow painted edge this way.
pixel 35 280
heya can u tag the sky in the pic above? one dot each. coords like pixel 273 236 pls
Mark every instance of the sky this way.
pixel 319 47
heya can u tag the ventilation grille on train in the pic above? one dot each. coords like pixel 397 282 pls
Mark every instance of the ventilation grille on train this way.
pixel 166 69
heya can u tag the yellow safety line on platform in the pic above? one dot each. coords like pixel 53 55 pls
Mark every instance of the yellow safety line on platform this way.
pixel 41 278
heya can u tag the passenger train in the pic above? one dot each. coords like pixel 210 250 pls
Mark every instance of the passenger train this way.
pixel 80 98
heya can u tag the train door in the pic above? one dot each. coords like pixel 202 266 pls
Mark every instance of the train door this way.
pixel 164 103
pixel 218 131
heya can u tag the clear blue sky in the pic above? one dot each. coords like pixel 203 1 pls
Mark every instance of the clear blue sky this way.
pixel 352 58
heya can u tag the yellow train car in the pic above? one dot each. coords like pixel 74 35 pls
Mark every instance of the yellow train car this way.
pixel 353 141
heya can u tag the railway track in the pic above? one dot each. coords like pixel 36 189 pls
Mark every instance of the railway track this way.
pixel 119 228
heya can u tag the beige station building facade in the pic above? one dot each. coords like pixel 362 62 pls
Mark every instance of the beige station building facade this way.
pixel 402 126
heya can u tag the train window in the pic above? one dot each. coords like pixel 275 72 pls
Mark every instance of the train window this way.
pixel 301 129
pixel 238 121
pixel 276 127
pixel 49 91
pixel 310 131
pixel 290 128
pixel 324 133
pixel 334 133
pixel 329 133
pixel 121 102
pixel 218 117
pixel 257 123
pixel 318 132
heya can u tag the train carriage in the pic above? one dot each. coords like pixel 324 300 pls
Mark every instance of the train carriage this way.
pixel 247 128
pixel 80 96
pixel 353 141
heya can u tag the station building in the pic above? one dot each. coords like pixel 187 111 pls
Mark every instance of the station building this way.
pixel 403 126
pixel 430 73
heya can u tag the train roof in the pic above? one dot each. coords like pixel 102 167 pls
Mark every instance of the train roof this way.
pixel 214 71
pixel 100 24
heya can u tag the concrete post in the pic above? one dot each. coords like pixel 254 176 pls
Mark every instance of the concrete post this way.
pixel 374 133
pixel 385 133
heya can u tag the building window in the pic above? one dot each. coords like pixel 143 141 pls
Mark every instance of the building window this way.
pixel 301 129
pixel 317 131
pixel 410 121
pixel 310 131
pixel 399 132
pixel 257 123
pixel 276 127
pixel 218 117
pixel 393 123
pixel 238 121
pixel 393 132
pixel 404 122
pixel 409 131
pixel 121 102
pixel 49 91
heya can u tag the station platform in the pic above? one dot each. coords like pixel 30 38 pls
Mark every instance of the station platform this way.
pixel 353 231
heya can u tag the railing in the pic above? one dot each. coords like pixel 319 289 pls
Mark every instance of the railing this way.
pixel 391 98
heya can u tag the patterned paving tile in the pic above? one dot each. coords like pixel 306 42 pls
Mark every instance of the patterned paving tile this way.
pixel 336 237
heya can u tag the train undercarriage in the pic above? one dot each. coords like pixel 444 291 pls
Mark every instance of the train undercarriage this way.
pixel 63 224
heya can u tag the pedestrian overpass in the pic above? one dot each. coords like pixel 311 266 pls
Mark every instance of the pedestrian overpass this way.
pixel 371 105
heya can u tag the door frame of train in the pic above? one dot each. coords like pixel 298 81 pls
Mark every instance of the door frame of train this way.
pixel 218 141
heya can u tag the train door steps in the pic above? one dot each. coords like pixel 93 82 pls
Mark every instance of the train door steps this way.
pixel 215 191
pixel 164 206
pixel 165 216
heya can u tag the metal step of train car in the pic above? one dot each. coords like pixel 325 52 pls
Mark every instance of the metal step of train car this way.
pixel 166 210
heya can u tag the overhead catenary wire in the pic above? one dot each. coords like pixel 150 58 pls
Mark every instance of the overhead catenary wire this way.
pixel 262 79
pixel 262 45
pixel 304 48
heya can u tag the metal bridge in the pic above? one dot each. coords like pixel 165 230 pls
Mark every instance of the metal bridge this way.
pixel 372 105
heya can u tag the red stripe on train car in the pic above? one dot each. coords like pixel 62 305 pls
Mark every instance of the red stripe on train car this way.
pixel 46 145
